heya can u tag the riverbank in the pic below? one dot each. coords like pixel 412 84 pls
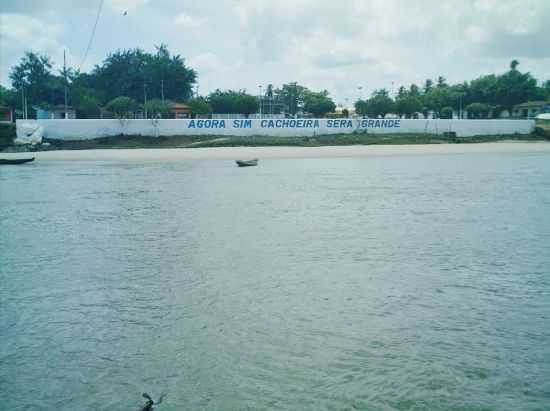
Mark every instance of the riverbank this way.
pixel 354 139
pixel 232 153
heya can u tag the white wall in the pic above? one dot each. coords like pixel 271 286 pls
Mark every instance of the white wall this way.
pixel 89 129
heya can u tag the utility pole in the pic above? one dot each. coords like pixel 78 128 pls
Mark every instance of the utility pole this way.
pixel 260 87
pixel 65 76
pixel 144 100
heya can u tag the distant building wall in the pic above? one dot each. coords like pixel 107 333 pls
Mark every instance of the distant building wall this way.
pixel 89 129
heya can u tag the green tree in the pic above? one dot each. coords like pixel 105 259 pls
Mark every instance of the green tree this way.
pixel 233 102
pixel 447 112
pixel 155 108
pixel 8 97
pixel 428 85
pixel 199 106
pixel 88 107
pixel 319 103
pixel 134 73
pixel 380 104
pixel 246 104
pixel 477 110
pixel 33 76
pixel 121 106
pixel 408 105
pixel 361 107
pixel 291 96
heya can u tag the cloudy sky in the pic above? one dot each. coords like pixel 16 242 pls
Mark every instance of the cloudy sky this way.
pixel 337 45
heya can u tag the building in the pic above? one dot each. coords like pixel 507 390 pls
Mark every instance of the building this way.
pixel 179 110
pixel 54 112
pixel 530 109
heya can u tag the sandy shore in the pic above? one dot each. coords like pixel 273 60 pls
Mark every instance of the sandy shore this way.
pixel 232 153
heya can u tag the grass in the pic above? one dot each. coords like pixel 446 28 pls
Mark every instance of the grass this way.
pixel 135 141
pixel 124 141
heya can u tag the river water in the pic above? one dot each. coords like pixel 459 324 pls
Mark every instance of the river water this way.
pixel 383 283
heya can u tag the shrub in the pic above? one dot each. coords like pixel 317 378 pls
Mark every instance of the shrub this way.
pixel 7 134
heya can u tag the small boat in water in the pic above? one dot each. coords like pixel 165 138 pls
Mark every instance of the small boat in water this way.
pixel 5 161
pixel 247 163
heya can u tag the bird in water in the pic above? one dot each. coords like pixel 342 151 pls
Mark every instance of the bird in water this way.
pixel 151 404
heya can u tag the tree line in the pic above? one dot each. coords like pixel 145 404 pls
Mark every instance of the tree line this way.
pixel 486 96
pixel 134 80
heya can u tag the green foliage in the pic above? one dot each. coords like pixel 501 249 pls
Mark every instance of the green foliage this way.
pixel 33 75
pixel 291 96
pixel 318 104
pixel 155 108
pixel 447 112
pixel 127 72
pixel 7 134
pixel 380 104
pixel 408 105
pixel 233 102
pixel 88 107
pixel 7 97
pixel 361 107
pixel 199 106
pixel 477 110
pixel 121 106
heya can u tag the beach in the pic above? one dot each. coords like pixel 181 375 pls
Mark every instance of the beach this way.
pixel 232 153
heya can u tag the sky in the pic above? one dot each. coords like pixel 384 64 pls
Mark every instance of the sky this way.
pixel 348 47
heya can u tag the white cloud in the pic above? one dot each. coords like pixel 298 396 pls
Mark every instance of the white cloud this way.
pixel 186 22
pixel 19 33
pixel 319 43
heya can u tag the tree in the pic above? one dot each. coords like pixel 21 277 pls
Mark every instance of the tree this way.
pixel 380 104
pixel 121 106
pixel 514 87
pixel 318 104
pixel 134 73
pixel 33 76
pixel 361 107
pixel 199 107
pixel 233 102
pixel 414 90
pixel 292 96
pixel 407 106
pixel 88 107
pixel 477 110
pixel 8 97
pixel 155 108
pixel 428 84
pixel 447 112
pixel 246 104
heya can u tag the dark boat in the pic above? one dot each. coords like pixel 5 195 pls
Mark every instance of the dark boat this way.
pixel 5 161
pixel 247 163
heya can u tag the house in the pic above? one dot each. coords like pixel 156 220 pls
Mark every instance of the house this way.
pixel 179 110
pixel 530 109
pixel 6 114
pixel 54 112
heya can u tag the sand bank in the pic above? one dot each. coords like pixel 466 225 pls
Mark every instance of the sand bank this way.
pixel 232 153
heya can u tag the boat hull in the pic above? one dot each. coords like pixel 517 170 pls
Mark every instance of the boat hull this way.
pixel 247 163
pixel 5 161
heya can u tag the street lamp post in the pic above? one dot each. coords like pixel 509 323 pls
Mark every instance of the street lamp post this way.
pixel 360 88
pixel 260 87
